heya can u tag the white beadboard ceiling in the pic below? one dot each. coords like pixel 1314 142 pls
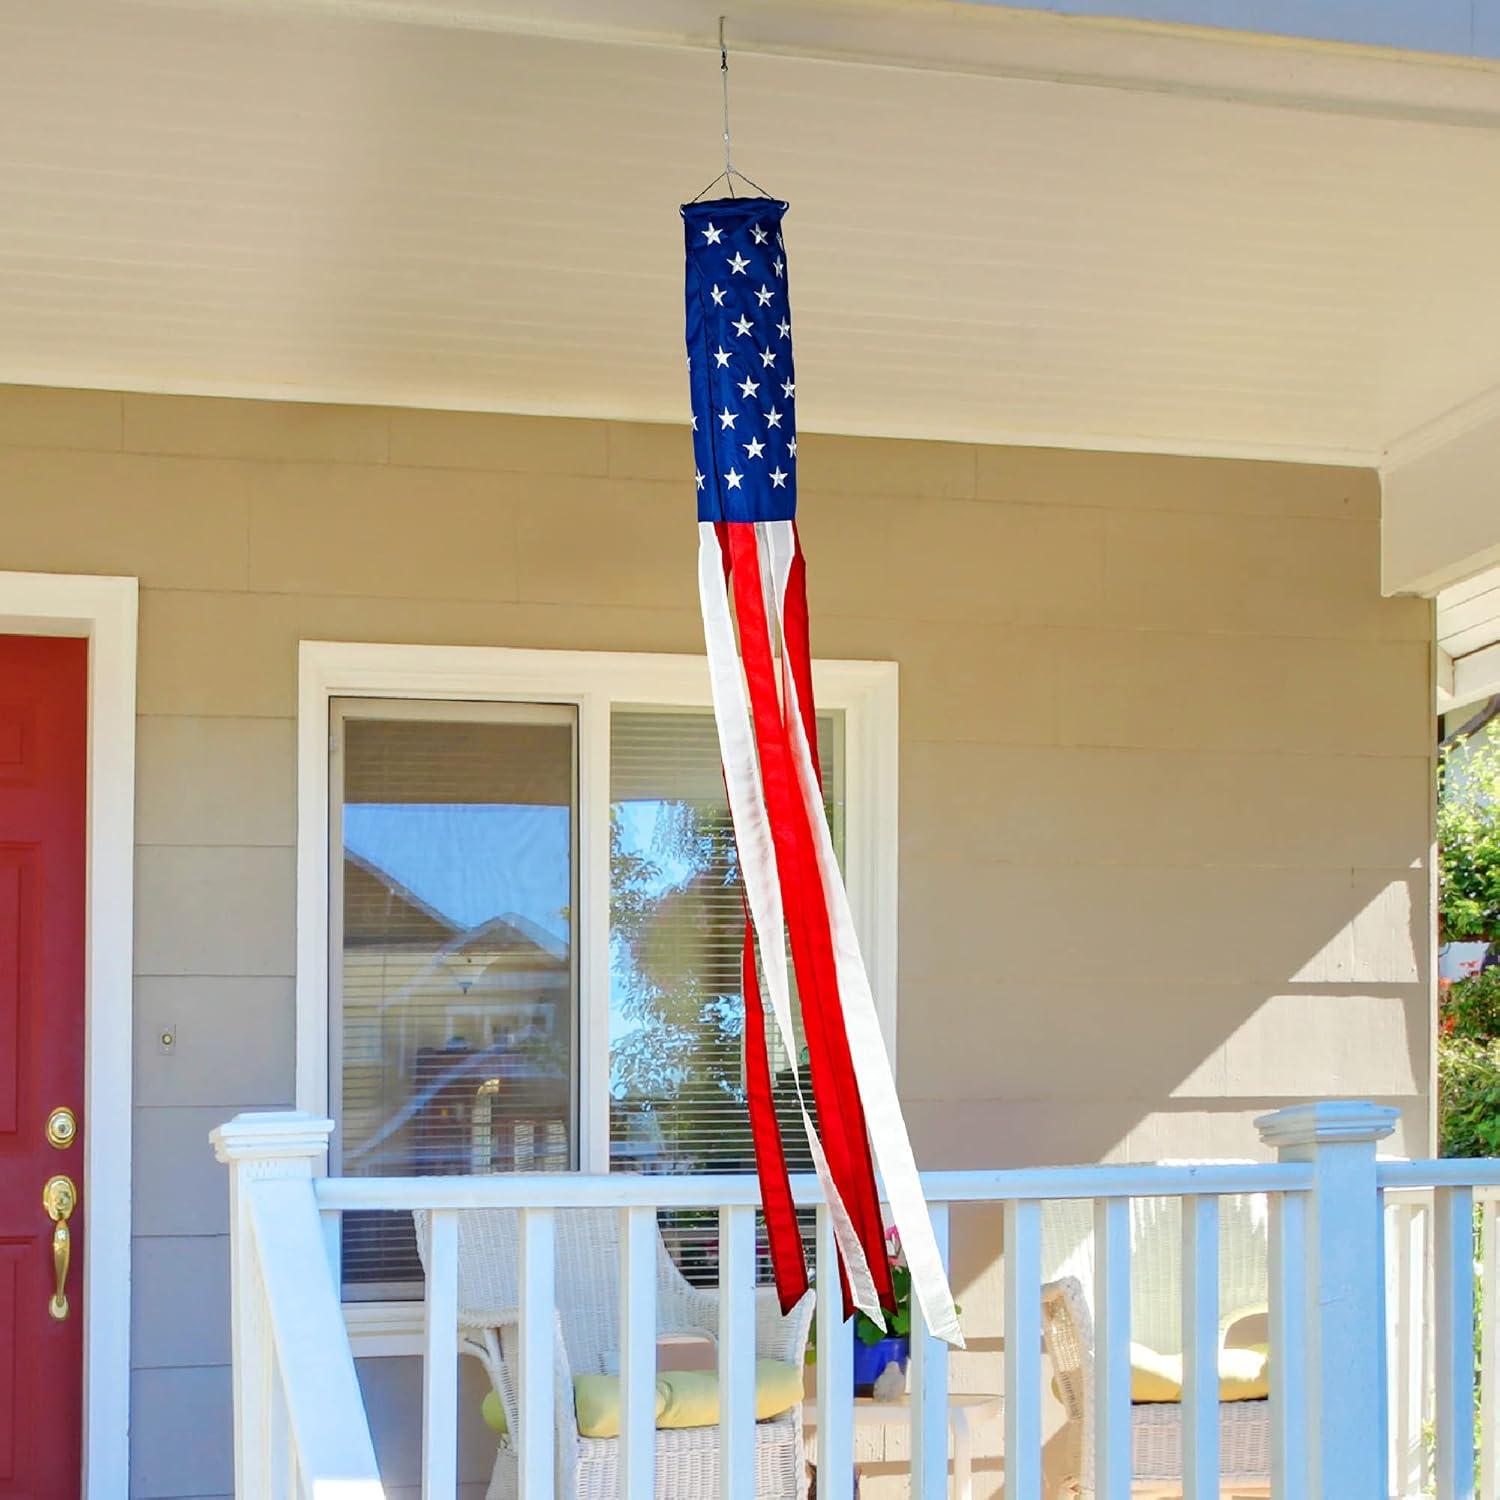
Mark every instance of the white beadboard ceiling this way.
pixel 418 205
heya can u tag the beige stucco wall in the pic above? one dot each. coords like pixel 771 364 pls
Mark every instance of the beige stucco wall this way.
pixel 1164 749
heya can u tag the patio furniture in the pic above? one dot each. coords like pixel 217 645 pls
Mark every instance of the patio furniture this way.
pixel 1155 1427
pixel 1156 1260
pixel 587 1342
pixel 966 1409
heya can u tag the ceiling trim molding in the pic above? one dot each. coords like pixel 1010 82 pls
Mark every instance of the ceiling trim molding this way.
pixel 1428 437
pixel 1281 72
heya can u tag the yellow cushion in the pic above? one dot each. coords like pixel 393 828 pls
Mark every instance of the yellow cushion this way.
pixel 493 1412
pixel 684 1398
pixel 690 1398
pixel 1158 1377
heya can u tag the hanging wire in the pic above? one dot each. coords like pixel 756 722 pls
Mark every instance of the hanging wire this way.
pixel 730 171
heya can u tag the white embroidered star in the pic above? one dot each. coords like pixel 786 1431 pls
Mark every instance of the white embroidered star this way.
pixel 717 293
pixel 759 233
pixel 764 295
pixel 732 479
pixel 728 418
pixel 748 387
pixel 767 358
pixel 791 447
pixel 773 418
pixel 699 478
pixel 722 356
pixel 784 328
pixel 741 325
pixel 788 388
pixel 754 448
pixel 712 235
pixel 737 264
pixel 778 265
pixel 779 478
pixel 694 420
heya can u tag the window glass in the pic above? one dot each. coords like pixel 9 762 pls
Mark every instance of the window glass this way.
pixel 456 836
pixel 676 1013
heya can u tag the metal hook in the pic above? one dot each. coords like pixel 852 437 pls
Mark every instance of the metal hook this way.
pixel 724 81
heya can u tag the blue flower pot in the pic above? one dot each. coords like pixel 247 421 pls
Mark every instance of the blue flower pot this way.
pixel 871 1359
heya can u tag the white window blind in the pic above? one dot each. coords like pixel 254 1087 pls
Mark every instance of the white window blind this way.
pixel 456 831
pixel 677 1067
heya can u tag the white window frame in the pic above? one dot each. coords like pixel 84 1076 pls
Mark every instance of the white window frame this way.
pixel 593 681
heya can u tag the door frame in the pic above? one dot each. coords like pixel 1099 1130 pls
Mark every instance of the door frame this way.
pixel 104 611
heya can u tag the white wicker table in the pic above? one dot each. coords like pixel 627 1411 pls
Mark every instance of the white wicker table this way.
pixel 964 1409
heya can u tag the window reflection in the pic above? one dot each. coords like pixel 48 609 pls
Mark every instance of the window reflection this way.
pixel 456 968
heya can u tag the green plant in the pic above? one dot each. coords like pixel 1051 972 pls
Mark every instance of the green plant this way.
pixel 1468 834
pixel 1468 829
pixel 899 1322
pixel 866 1330
pixel 1469 1096
pixel 1470 1007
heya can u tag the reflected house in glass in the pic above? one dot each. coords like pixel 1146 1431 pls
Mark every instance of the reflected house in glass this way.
pixel 462 1026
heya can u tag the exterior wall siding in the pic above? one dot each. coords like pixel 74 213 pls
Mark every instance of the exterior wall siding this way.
pixel 1165 750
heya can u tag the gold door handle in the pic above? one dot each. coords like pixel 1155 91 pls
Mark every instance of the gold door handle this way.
pixel 59 1199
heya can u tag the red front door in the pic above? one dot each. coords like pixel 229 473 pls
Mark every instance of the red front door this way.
pixel 43 740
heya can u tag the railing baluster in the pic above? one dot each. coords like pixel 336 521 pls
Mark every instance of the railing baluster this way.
pixel 1453 1255
pixel 1489 1353
pixel 929 1392
pixel 639 1240
pixel 1111 1393
pixel 1200 1348
pixel 737 1353
pixel 835 1369
pixel 293 1482
pixel 440 1360
pixel 536 1396
pixel 1288 1345
pixel 1023 1340
pixel 1406 1290
pixel 279 1445
pixel 333 1242
pixel 1397 1273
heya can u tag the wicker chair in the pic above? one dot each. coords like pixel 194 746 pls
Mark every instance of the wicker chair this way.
pixel 587 1342
pixel 1156 1427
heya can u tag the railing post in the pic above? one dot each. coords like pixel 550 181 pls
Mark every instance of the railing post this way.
pixel 1344 1292
pixel 256 1148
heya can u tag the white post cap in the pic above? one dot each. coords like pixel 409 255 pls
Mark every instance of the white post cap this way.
pixel 1328 1122
pixel 271 1134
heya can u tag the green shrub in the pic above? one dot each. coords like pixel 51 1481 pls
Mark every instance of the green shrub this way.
pixel 1468 835
pixel 1470 1007
pixel 1469 1096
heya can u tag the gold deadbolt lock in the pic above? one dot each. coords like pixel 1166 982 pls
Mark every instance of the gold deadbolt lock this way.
pixel 62 1127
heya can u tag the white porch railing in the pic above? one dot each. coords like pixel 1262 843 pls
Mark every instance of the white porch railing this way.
pixel 1360 1249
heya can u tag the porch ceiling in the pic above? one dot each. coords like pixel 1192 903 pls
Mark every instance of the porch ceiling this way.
pixel 433 205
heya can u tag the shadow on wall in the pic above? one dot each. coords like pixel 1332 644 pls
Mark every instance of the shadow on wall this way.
pixel 1313 985
pixel 1274 986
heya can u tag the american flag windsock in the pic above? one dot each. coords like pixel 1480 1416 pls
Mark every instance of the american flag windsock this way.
pixel 739 341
